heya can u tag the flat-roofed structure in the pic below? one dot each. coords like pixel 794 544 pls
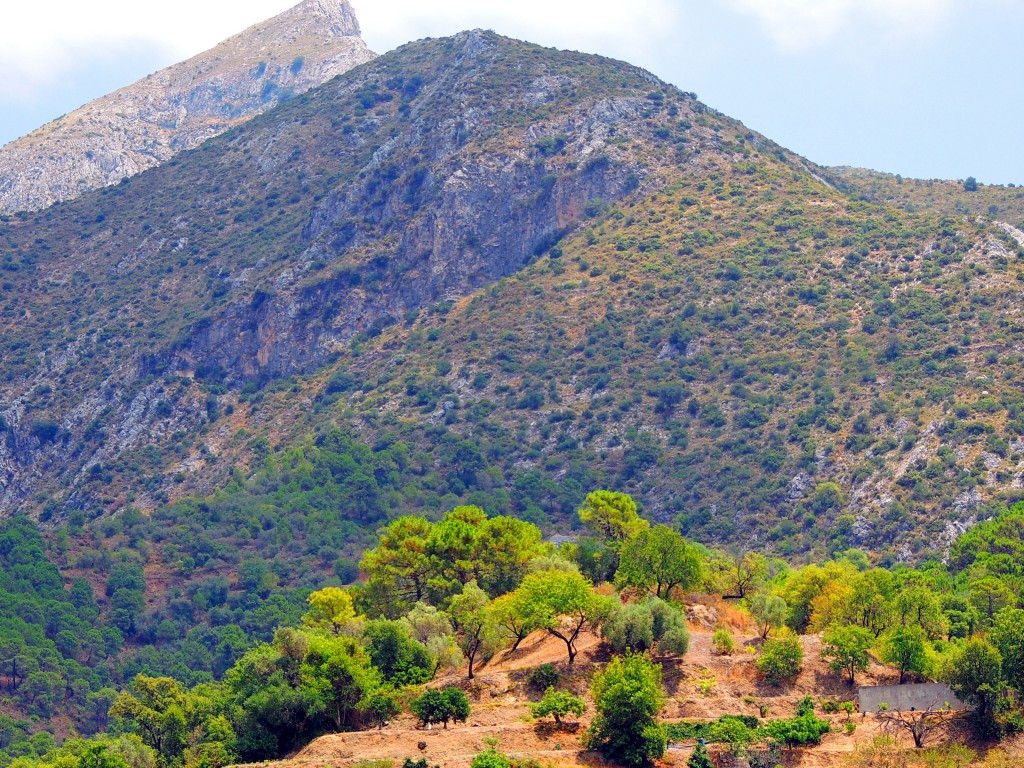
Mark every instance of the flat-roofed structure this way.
pixel 904 698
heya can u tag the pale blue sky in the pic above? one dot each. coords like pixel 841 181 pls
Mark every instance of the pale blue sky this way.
pixel 926 88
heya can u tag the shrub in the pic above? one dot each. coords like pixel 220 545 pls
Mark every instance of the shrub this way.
pixel 797 731
pixel 543 677
pixel 491 758
pixel 700 758
pixel 722 642
pixel 781 659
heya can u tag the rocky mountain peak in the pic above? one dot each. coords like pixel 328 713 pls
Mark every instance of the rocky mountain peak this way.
pixel 336 16
pixel 146 123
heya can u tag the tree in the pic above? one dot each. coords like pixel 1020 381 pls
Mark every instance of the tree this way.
pixel 98 755
pixel 918 604
pixel 975 671
pixel 563 604
pixel 509 617
pixel 922 725
pixel 847 648
pixel 658 560
pixel 380 707
pixel 628 698
pixel 401 659
pixel 970 184
pixel 558 704
pixel 1008 637
pixel 611 515
pixel 156 706
pixel 504 548
pixel 643 626
pixel 781 659
pixel 330 609
pixel 905 648
pixel 399 566
pixel 340 675
pixel 989 596
pixel 769 611
pixel 741 574
pixel 471 620
pixel 440 706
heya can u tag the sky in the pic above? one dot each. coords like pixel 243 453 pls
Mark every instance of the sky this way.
pixel 924 88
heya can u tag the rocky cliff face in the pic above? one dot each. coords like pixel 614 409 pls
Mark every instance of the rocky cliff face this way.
pixel 180 107
pixel 417 179
pixel 542 272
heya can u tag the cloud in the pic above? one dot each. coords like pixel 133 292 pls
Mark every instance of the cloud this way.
pixel 802 24
pixel 624 29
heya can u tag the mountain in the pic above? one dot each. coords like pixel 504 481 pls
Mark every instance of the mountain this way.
pixel 180 107
pixel 475 270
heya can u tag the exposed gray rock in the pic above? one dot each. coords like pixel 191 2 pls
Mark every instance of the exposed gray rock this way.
pixel 147 123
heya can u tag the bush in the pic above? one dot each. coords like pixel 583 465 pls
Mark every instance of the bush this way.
pixel 491 758
pixel 644 626
pixel 781 659
pixel 437 706
pixel 722 642
pixel 543 677
pixel 797 731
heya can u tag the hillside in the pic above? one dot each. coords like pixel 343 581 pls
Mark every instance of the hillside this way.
pixel 996 202
pixel 177 108
pixel 520 274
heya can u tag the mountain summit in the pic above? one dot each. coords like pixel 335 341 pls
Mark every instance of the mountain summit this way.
pixel 177 108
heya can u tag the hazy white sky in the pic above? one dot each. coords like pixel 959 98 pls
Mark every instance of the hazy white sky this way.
pixel 926 88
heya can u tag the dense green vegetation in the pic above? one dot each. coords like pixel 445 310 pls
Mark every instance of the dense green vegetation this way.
pixel 436 597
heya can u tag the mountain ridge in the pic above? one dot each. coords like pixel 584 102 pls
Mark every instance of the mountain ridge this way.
pixel 148 122
pixel 540 272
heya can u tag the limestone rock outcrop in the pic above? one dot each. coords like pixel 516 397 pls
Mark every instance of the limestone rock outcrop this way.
pixel 146 123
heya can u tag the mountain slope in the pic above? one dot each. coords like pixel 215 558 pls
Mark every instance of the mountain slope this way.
pixel 516 274
pixel 145 124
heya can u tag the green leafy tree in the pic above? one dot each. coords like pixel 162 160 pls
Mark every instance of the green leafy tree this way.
pixel 340 674
pixel 846 647
pixel 1008 637
pixel 471 620
pixel 989 595
pixel 658 560
pixel 628 697
pixel 781 659
pixel 769 611
pixel 558 704
pixel 563 604
pixel 380 707
pixel 330 609
pixel 156 706
pixel 740 575
pixel 508 615
pixel 441 706
pixel 975 672
pixel 398 568
pixel 905 648
pixel 400 659
pixel 611 515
